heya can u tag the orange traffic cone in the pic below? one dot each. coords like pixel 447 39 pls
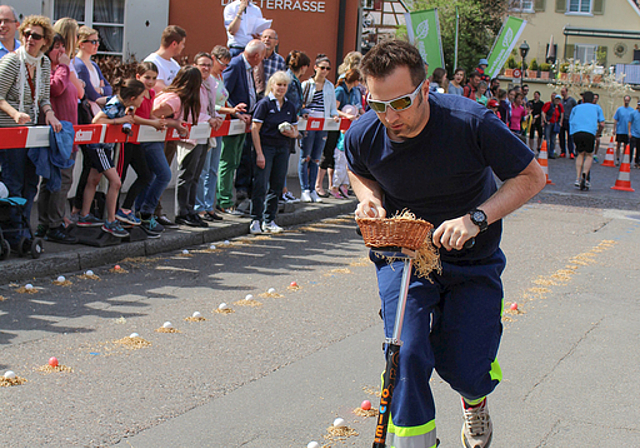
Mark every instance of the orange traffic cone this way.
pixel 609 158
pixel 542 160
pixel 624 176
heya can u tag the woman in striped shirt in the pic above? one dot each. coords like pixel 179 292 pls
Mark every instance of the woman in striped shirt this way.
pixel 319 99
pixel 24 95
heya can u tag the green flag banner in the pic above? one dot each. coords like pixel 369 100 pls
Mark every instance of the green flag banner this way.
pixel 423 28
pixel 506 40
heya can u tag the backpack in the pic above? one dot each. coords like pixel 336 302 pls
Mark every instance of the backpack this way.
pixel 467 91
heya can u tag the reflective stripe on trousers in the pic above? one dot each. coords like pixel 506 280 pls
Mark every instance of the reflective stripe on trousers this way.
pixel 423 436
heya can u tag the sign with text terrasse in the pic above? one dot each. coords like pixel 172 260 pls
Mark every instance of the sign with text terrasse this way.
pixel 506 40
pixel 287 5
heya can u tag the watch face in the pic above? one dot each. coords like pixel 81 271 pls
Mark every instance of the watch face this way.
pixel 478 216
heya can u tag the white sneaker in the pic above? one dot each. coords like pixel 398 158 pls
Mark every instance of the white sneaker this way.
pixel 315 197
pixel 305 196
pixel 477 428
pixel 254 228
pixel 271 227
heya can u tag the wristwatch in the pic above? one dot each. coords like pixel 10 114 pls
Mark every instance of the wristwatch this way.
pixel 479 218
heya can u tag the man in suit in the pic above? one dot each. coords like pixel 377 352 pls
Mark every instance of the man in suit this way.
pixel 238 80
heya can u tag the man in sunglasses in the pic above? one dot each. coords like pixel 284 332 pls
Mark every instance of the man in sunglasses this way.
pixel 8 27
pixel 435 156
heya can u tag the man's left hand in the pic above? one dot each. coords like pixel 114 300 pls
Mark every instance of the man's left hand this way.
pixel 454 233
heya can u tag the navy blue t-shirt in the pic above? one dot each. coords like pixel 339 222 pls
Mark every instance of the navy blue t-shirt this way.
pixel 271 117
pixel 446 170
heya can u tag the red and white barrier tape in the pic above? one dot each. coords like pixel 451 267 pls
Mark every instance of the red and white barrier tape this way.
pixel 38 136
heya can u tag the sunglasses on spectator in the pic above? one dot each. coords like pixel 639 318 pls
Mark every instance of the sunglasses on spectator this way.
pixel 324 67
pixel 397 104
pixel 92 41
pixel 7 21
pixel 30 34
pixel 221 63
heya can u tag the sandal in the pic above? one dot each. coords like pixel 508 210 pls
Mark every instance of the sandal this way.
pixel 322 193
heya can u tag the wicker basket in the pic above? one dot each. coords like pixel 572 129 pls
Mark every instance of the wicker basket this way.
pixel 407 233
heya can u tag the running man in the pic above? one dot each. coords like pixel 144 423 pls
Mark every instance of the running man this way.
pixel 435 155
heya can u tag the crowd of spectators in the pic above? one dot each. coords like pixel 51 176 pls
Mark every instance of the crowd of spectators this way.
pixel 49 76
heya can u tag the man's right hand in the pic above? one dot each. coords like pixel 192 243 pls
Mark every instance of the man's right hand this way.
pixel 370 208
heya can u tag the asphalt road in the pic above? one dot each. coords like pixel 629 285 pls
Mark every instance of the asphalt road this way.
pixel 277 375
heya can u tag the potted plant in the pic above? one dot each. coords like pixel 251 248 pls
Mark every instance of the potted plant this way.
pixel 511 64
pixel 544 70
pixel 564 68
pixel 533 69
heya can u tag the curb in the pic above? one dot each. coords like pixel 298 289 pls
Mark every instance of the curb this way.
pixel 86 257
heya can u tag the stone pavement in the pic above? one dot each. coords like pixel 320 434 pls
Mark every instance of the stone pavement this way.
pixel 61 258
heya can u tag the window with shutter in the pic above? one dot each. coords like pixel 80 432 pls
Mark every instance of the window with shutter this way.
pixel 561 6
pixel 521 5
pixel 579 6
pixel 105 16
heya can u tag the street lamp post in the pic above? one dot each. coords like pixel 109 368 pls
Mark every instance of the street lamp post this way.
pixel 524 50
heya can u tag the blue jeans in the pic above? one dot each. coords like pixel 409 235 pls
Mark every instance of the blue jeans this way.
pixel 312 147
pixel 207 186
pixel 550 137
pixel 19 175
pixel 566 140
pixel 268 182
pixel 160 177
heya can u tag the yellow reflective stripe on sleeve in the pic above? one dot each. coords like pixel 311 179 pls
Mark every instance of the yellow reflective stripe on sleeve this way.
pixel 496 371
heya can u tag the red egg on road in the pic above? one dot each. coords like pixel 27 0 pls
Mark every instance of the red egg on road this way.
pixel 514 306
pixel 294 284
pixel 117 267
pixel 53 361
pixel 366 405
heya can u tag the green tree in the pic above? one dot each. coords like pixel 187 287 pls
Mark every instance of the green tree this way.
pixel 480 22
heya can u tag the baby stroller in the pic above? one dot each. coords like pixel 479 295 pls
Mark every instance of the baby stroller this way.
pixel 13 206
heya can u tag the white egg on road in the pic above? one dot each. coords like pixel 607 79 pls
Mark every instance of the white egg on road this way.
pixel 248 297
pixel 134 335
pixel 10 374
pixel 61 279
pixel 272 290
pixel 197 315
pixel 339 423
pixel 167 325
pixel 223 306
